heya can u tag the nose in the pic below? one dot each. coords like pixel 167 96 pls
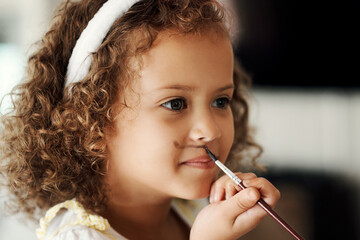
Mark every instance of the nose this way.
pixel 204 128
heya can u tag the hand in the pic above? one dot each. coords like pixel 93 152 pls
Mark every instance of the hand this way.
pixel 233 212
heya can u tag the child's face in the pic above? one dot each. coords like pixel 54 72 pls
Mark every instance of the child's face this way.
pixel 179 102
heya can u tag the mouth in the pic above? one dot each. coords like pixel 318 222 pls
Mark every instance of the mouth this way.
pixel 201 162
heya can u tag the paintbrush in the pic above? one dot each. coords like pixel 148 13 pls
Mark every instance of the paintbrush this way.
pixel 261 202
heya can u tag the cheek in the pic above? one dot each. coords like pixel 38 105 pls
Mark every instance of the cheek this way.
pixel 227 126
pixel 228 134
pixel 157 136
pixel 171 127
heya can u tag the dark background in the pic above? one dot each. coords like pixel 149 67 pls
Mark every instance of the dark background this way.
pixel 307 44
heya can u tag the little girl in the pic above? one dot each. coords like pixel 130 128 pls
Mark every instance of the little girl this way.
pixel 107 133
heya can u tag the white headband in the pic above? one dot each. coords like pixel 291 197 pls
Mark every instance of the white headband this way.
pixel 92 37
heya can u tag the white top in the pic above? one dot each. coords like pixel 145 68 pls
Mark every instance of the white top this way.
pixel 70 221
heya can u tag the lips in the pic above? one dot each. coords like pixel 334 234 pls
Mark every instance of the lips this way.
pixel 202 162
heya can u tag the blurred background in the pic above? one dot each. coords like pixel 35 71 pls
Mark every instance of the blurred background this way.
pixel 305 104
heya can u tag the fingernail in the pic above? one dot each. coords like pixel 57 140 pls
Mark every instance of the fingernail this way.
pixel 247 182
pixel 211 199
pixel 216 197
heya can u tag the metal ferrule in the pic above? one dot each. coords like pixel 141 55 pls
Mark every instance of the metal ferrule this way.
pixel 228 172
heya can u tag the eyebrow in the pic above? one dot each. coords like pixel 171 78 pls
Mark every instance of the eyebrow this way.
pixel 188 88
pixel 230 86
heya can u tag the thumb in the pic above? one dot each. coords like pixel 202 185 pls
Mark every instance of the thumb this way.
pixel 240 203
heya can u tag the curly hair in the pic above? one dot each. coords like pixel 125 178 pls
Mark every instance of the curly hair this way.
pixel 53 146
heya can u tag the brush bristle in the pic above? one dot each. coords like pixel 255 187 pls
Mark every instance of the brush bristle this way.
pixel 212 156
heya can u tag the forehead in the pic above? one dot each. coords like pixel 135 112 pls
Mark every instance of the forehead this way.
pixel 178 58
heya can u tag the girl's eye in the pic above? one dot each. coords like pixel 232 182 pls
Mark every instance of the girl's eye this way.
pixel 222 102
pixel 177 104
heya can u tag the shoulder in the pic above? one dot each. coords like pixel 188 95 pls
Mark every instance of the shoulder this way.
pixel 80 232
pixel 69 220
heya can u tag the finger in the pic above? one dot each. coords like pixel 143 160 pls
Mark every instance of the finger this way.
pixel 244 176
pixel 231 189
pixel 268 191
pixel 217 191
pixel 216 194
pixel 240 202
pixel 224 187
pixel 228 182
